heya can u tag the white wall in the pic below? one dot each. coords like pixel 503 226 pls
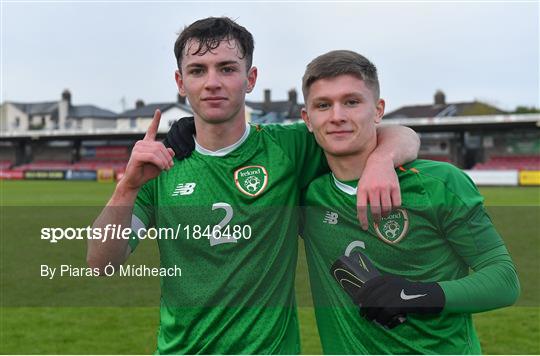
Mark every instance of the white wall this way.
pixel 8 115
pixel 494 177
pixel 89 123
pixel 123 123
pixel 169 117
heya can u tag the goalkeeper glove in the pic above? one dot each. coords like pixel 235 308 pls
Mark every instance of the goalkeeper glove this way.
pixel 353 272
pixel 383 298
pixel 180 137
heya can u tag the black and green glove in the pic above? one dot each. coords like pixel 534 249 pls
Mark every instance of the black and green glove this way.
pixel 383 298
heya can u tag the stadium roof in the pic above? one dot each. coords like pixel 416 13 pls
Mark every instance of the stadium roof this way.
pixel 469 123
pixel 454 124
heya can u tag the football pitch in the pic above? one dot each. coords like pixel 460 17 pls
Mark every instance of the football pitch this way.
pixel 47 317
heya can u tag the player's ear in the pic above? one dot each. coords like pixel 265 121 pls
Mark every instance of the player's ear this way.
pixel 251 79
pixel 379 107
pixel 179 82
pixel 305 117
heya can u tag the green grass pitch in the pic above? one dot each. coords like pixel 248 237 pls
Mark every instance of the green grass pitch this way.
pixel 87 325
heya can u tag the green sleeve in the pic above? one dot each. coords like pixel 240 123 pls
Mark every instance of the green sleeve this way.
pixel 462 217
pixel 471 233
pixel 299 144
pixel 493 284
pixel 143 212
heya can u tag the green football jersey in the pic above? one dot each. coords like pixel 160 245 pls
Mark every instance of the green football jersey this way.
pixel 236 217
pixel 436 235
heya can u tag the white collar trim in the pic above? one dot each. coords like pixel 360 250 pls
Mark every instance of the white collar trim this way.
pixel 225 150
pixel 347 189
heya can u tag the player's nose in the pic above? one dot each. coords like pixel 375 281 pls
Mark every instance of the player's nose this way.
pixel 213 81
pixel 338 115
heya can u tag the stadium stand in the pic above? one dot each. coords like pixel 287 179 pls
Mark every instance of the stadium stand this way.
pixel 5 165
pixel 105 153
pixel 437 158
pixel 92 158
pixel 95 164
pixel 522 162
pixel 116 169
pixel 484 143
pixel 47 154
pixel 117 166
pixel 44 165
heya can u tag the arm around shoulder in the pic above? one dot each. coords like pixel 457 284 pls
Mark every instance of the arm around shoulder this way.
pixel 379 186
pixel 398 143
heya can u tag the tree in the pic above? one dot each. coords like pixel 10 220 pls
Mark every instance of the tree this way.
pixel 526 110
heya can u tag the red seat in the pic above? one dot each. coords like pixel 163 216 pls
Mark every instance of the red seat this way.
pixel 527 162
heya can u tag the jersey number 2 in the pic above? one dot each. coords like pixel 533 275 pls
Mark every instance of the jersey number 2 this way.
pixel 217 238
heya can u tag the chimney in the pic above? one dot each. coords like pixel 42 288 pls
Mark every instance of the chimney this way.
pixel 66 95
pixel 293 97
pixel 181 99
pixel 139 104
pixel 267 100
pixel 439 98
pixel 63 109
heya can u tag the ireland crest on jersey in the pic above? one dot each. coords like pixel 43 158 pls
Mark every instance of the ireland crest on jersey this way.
pixel 251 180
pixel 394 227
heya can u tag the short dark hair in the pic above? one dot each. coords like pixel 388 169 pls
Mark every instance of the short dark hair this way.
pixel 209 32
pixel 336 63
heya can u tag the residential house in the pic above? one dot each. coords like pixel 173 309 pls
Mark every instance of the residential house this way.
pixel 269 111
pixel 139 118
pixel 54 115
pixel 440 108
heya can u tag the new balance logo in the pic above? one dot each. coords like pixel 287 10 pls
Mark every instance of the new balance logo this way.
pixel 184 189
pixel 330 218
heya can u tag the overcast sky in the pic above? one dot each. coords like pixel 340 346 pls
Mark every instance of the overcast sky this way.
pixel 103 52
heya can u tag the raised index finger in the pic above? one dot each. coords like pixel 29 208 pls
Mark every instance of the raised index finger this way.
pixel 153 128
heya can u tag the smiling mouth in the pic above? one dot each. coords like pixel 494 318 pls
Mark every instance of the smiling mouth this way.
pixel 339 132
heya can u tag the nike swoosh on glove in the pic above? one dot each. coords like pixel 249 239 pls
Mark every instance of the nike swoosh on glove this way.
pixel 180 137
pixel 384 298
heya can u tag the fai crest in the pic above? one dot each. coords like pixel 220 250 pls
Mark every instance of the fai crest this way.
pixel 251 180
pixel 394 227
